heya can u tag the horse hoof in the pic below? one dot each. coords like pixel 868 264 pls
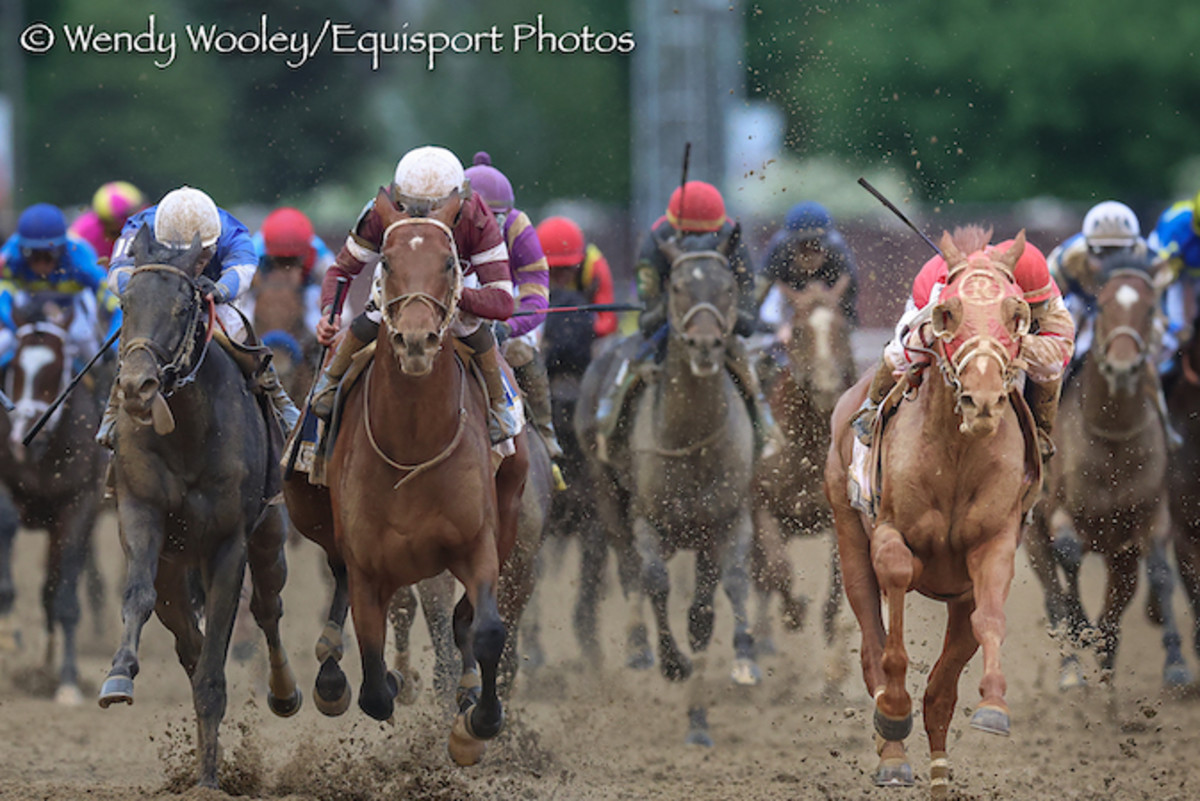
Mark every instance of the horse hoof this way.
pixel 746 673
pixel 465 750
pixel 286 707
pixel 642 659
pixel 939 776
pixel 410 687
pixel 676 667
pixel 1176 677
pixel 395 682
pixel 68 695
pixel 116 690
pixel 1071 674
pixel 10 636
pixel 894 773
pixel 698 737
pixel 991 720
pixel 893 729
pixel 332 707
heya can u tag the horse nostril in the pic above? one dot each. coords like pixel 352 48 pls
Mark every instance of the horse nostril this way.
pixel 968 402
pixel 398 339
pixel 431 341
pixel 147 388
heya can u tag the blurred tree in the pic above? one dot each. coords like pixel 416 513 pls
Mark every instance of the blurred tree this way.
pixel 988 99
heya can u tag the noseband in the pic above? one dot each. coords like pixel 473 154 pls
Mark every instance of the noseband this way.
pixel 173 368
pixel 446 307
pixel 724 321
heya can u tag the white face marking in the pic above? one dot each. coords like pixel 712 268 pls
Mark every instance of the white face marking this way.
pixel 697 273
pixel 415 242
pixel 821 320
pixel 1127 296
pixel 979 365
pixel 33 359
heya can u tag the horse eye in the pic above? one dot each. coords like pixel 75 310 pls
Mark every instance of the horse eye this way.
pixel 449 263
pixel 387 268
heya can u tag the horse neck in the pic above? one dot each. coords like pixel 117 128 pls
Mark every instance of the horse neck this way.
pixel 407 412
pixel 689 406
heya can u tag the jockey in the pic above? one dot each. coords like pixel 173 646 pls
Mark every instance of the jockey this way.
pixel 181 216
pixel 1109 229
pixel 287 240
pixel 520 337
pixel 429 178
pixel 112 205
pixel 40 257
pixel 579 267
pixel 1175 242
pixel 696 212
pixel 808 248
pixel 1046 349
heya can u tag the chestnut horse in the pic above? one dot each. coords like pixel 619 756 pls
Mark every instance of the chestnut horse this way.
pixel 54 483
pixel 788 501
pixel 948 519
pixel 194 477
pixel 1107 490
pixel 411 488
pixel 279 320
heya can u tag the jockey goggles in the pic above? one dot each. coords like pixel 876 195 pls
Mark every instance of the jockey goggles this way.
pixel 424 206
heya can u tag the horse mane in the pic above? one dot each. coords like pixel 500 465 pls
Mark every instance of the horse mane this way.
pixel 971 238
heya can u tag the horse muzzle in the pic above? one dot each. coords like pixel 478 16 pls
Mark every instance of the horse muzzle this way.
pixel 143 401
pixel 706 354
pixel 981 412
pixel 415 351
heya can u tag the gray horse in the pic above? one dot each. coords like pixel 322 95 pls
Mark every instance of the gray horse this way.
pixel 679 468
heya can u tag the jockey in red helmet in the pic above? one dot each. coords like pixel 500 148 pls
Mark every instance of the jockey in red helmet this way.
pixel 287 241
pixel 578 265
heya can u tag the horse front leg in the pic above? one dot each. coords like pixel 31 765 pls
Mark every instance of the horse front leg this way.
pixel 941 694
pixel 223 585
pixel 894 568
pixel 1162 588
pixel 656 583
pixel 990 566
pixel 437 606
pixel 10 634
pixel 331 695
pixel 1040 548
pixel 141 538
pixel 735 579
pixel 268 572
pixel 369 602
pixel 1119 589
pixel 593 559
pixel 72 533
pixel 480 634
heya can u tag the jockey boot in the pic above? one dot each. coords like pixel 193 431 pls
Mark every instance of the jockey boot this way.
pixel 533 379
pixel 768 439
pixel 325 390
pixel 108 420
pixel 863 420
pixel 285 410
pixel 1043 402
pixel 502 424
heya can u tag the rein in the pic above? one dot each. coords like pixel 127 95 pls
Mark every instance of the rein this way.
pixel 172 367
pixel 415 470
pixel 447 307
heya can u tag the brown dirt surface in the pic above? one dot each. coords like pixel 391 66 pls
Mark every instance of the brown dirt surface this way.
pixel 595 732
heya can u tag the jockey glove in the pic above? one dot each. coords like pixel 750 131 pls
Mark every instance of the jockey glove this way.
pixel 502 331
pixel 209 287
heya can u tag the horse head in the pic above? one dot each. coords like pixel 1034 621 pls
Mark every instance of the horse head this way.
pixel 39 366
pixel 819 350
pixel 420 284
pixel 978 321
pixel 1125 336
pixel 701 303
pixel 166 326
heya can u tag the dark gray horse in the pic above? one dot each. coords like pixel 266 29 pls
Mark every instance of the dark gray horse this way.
pixel 194 475
pixel 678 477
pixel 55 482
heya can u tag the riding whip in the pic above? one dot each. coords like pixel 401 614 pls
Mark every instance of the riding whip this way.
pixel 62 396
pixel 687 151
pixel 879 195
pixel 334 310
pixel 587 307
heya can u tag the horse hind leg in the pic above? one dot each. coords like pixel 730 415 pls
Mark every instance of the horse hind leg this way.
pixel 331 695
pixel 894 567
pixel 437 606
pixel 73 533
pixel 268 572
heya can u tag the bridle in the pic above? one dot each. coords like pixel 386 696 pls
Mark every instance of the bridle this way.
pixel 177 369
pixel 447 306
pixel 1124 330
pixel 32 408
pixel 724 321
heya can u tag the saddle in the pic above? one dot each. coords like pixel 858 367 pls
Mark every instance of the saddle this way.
pixel 866 466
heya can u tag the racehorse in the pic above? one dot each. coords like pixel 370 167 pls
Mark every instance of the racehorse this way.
pixel 1183 400
pixel 788 501
pixel 279 319
pixel 55 482
pixel 417 496
pixel 194 475
pixel 1110 479
pixel 957 467
pixel 680 476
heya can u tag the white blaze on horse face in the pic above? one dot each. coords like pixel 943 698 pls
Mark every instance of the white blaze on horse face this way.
pixel 821 321
pixel 1127 296
pixel 33 359
pixel 415 242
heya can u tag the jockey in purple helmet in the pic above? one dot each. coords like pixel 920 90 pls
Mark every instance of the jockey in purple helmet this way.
pixel 520 337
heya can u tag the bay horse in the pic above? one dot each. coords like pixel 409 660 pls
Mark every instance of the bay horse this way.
pixel 416 496
pixel 787 491
pixel 1108 488
pixel 194 478
pixel 54 483
pixel 957 469
pixel 680 478
pixel 279 318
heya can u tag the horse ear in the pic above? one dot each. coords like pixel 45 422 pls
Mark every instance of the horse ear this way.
pixel 140 249
pixel 950 252
pixel 385 208
pixel 942 319
pixel 195 250
pixel 669 247
pixel 1011 256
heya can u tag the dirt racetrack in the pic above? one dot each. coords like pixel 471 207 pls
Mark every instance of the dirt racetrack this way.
pixel 608 733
